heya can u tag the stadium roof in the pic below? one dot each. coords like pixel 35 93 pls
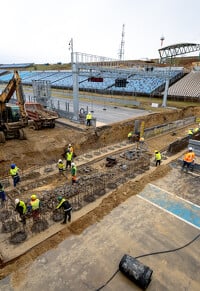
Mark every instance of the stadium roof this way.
pixel 178 49
pixel 23 65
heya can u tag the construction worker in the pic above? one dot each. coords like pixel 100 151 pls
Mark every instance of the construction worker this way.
pixel 21 208
pixel 130 134
pixel 61 166
pixel 66 207
pixel 70 148
pixel 195 130
pixel 69 156
pixel 2 195
pixel 88 118
pixel 34 207
pixel 73 173
pixel 190 133
pixel 157 157
pixel 188 160
pixel 14 174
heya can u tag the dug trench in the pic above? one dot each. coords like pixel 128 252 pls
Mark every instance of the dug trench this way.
pixel 96 182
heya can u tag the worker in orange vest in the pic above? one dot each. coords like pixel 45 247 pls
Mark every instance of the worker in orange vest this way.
pixel 188 159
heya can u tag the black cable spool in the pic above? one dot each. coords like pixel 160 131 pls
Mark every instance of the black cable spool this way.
pixel 135 271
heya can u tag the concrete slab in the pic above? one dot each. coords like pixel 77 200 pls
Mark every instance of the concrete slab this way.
pixel 87 261
pixel 179 207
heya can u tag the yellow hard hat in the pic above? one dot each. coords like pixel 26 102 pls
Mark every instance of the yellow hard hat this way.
pixel 33 197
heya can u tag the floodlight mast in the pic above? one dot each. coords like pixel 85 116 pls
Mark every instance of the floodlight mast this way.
pixel 74 68
pixel 121 51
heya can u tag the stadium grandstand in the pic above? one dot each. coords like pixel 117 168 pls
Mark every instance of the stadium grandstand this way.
pixel 106 76
pixel 131 81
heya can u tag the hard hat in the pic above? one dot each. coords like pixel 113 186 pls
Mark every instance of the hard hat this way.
pixel 12 166
pixel 190 149
pixel 60 161
pixel 89 112
pixel 16 201
pixel 33 197
pixel 155 151
pixel 72 164
pixel 70 145
pixel 59 198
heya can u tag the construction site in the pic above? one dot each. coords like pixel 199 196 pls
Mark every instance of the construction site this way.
pixel 116 203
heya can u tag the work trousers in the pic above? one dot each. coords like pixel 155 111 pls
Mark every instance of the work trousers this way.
pixel 67 213
pixel 158 162
pixel 68 163
pixel 16 179
pixel 188 165
pixel 2 196
pixel 88 122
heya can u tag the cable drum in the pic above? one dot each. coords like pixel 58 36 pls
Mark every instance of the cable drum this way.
pixel 135 271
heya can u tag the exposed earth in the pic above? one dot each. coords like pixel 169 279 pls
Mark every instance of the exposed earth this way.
pixel 37 157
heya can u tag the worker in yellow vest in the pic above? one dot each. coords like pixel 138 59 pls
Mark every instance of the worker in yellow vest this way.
pixel 14 172
pixel 190 133
pixel 21 208
pixel 130 135
pixel 158 157
pixel 69 156
pixel 61 166
pixel 34 207
pixel 88 118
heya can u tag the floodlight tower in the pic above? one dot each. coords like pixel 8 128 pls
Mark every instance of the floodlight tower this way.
pixel 121 51
pixel 162 39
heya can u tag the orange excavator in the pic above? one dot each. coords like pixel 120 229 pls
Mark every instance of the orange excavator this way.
pixel 13 118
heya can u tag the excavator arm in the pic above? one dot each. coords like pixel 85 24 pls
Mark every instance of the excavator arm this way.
pixel 20 96
pixel 14 85
pixel 7 93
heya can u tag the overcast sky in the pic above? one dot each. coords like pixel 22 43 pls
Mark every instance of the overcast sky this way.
pixel 39 31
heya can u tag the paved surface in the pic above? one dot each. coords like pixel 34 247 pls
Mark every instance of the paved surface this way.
pixel 136 227
pixel 181 208
pixel 104 114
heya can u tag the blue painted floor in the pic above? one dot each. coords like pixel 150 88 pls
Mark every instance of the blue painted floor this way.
pixel 173 204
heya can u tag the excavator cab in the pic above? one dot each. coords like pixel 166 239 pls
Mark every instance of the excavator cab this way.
pixel 12 113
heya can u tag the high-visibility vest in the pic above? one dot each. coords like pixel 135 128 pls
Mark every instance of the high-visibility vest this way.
pixel 23 205
pixel 195 129
pixel 61 202
pixel 14 172
pixel 35 204
pixel 69 156
pixel 61 166
pixel 89 116
pixel 189 157
pixel 190 131
pixel 158 156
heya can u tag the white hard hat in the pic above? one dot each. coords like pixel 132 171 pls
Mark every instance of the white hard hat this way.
pixel 190 149
pixel 60 161
pixel 72 164
pixel 16 201
pixel 70 145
